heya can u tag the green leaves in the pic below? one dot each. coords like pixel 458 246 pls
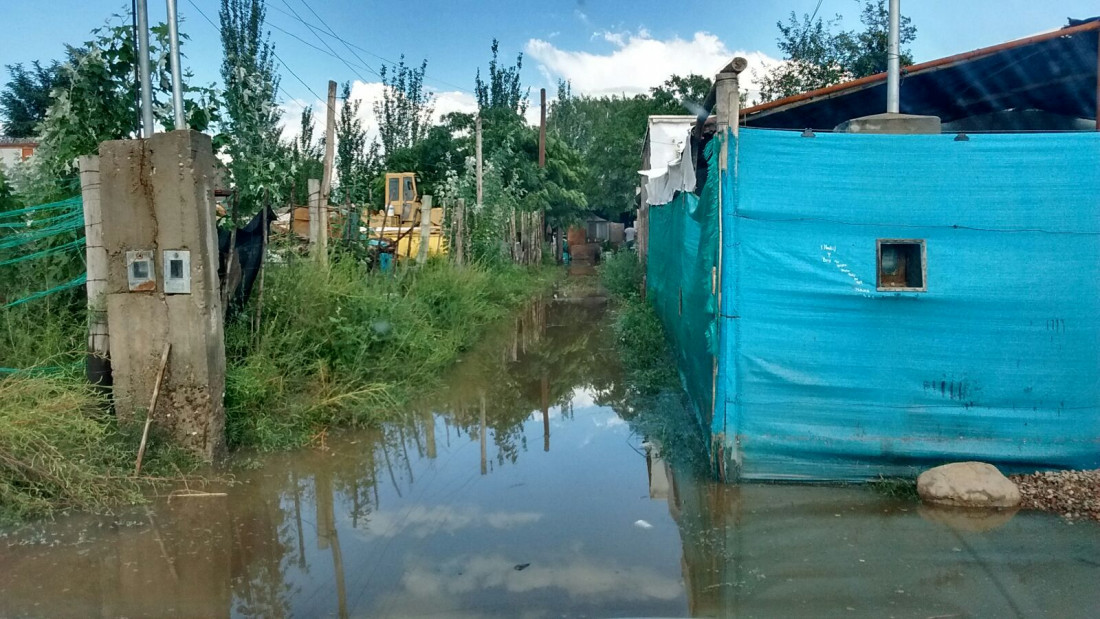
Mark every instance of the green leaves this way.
pixel 816 56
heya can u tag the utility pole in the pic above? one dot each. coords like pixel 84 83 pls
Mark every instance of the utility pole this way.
pixel 326 177
pixel 174 60
pixel 142 10
pixel 893 59
pixel 477 130
pixel 542 129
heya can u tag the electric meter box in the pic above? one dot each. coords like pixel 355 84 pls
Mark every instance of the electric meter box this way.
pixel 141 274
pixel 177 271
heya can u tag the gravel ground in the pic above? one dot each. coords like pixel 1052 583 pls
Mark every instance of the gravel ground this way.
pixel 1073 494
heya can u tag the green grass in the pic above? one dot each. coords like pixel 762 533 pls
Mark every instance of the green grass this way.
pixel 896 488
pixel 59 450
pixel 340 347
pixel 621 274
pixel 337 347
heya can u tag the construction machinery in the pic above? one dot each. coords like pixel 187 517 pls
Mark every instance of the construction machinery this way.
pixel 398 225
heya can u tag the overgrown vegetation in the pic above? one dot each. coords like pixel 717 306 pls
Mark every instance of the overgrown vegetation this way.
pixel 59 450
pixel 621 273
pixel 658 408
pixel 339 347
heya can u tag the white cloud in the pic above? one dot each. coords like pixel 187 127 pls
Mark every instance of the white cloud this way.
pixel 425 520
pixel 580 577
pixel 638 61
pixel 367 94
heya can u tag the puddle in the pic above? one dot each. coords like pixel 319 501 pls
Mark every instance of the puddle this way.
pixel 518 490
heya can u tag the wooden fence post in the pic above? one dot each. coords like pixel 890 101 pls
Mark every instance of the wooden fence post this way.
pixel 460 235
pixel 425 229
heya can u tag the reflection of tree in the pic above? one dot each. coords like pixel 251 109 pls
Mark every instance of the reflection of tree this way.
pixel 536 363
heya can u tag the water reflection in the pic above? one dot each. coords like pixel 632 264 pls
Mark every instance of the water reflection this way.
pixel 452 513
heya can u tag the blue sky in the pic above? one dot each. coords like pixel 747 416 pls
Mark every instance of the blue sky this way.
pixel 602 46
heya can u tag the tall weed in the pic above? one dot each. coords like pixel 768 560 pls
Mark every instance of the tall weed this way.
pixel 621 273
pixel 341 346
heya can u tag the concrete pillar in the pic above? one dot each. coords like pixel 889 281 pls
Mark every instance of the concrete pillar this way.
pixel 98 361
pixel 157 196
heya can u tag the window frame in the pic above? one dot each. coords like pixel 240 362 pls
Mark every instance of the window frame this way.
pixel 923 265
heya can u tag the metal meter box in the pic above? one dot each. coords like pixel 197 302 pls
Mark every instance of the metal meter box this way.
pixel 141 275
pixel 177 271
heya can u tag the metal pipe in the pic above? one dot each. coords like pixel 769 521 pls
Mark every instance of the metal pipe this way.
pixel 893 60
pixel 142 9
pixel 174 60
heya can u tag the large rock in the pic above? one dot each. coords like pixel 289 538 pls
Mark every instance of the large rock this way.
pixel 967 484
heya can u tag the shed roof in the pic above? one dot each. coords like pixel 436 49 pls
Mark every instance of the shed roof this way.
pixel 1055 72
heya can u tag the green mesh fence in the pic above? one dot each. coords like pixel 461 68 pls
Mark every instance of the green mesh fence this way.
pixel 683 252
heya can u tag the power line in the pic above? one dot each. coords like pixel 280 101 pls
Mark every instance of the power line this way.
pixel 325 43
pixel 281 61
pixel 352 46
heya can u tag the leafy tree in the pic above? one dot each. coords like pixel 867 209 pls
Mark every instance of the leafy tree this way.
pixel 503 91
pixel 356 164
pixel 306 157
pixel 869 48
pixel 97 101
pixel 678 95
pixel 405 111
pixel 817 55
pixel 7 194
pixel 608 133
pixel 251 105
pixel 26 98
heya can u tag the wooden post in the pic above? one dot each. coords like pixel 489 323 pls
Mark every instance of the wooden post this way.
pixel 97 364
pixel 326 177
pixel 425 229
pixel 316 247
pixel 542 128
pixel 460 235
pixel 477 130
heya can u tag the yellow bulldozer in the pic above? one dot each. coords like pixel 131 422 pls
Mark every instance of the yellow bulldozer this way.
pixel 398 224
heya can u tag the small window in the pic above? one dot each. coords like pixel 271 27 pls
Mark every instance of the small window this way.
pixel 140 269
pixel 901 265
pixel 393 192
pixel 410 195
pixel 175 269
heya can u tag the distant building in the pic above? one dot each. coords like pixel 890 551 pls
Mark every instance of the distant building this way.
pixel 15 150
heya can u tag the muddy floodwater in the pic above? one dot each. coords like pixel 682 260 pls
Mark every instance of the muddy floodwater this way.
pixel 525 488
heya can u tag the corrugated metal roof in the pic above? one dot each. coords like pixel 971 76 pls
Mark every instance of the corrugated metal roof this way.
pixel 1055 72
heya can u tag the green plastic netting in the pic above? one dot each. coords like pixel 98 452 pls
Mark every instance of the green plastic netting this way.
pixel 680 272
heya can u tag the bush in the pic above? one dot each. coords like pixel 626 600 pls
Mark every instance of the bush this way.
pixel 344 347
pixel 621 273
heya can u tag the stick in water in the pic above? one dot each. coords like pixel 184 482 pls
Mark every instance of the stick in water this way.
pixel 152 408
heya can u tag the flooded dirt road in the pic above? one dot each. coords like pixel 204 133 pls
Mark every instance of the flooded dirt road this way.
pixel 523 489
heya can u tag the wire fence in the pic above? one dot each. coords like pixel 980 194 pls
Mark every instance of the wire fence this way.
pixel 26 235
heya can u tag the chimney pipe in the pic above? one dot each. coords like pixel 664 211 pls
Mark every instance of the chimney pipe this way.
pixel 893 60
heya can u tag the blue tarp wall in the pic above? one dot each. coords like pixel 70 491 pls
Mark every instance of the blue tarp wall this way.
pixel 823 377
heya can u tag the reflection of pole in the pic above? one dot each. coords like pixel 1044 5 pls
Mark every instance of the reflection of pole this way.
pixel 429 434
pixel 389 467
pixel 484 467
pixel 338 570
pixel 298 521
pixel 327 537
pixel 545 413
